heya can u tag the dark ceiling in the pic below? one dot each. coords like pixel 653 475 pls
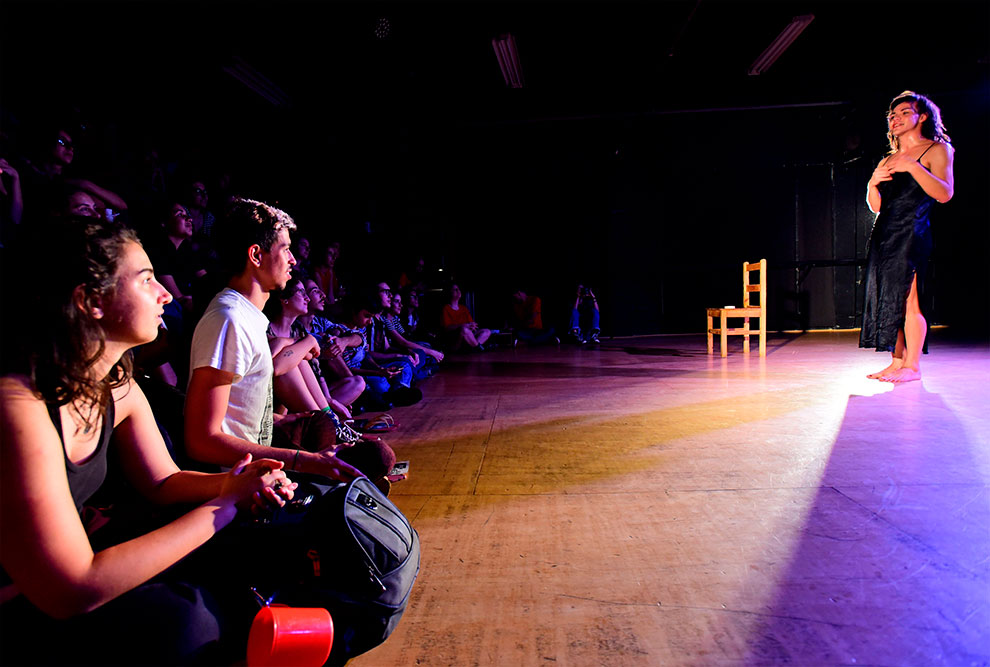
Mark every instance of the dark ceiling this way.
pixel 578 58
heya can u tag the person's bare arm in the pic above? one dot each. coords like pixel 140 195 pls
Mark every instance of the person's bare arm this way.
pixel 45 548
pixel 287 355
pixel 112 199
pixel 206 406
pixel 16 209
pixel 400 341
pixel 936 178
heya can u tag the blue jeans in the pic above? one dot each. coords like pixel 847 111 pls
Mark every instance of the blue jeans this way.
pixel 535 336
pixel 379 386
pixel 427 365
pixel 576 322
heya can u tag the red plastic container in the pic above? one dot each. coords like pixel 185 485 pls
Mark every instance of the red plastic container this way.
pixel 297 636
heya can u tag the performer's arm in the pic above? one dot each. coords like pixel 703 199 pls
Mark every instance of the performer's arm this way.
pixel 935 179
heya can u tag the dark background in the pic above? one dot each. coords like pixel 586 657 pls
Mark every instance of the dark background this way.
pixel 639 157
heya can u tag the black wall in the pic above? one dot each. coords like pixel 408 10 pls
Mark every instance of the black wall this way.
pixel 648 175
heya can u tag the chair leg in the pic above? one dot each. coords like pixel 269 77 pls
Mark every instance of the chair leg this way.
pixel 724 336
pixel 746 335
pixel 763 337
pixel 710 346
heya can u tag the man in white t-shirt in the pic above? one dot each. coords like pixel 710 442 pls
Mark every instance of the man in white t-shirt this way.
pixel 229 398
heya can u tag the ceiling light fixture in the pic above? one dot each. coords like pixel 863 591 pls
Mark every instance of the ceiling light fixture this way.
pixel 779 45
pixel 508 60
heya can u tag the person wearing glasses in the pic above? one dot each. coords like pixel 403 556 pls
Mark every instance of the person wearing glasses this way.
pixel 45 176
pixel 427 359
pixel 343 384
pixel 196 199
pixel 386 385
pixel 379 348
pixel 915 175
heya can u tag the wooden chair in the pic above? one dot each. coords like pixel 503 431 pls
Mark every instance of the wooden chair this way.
pixel 745 312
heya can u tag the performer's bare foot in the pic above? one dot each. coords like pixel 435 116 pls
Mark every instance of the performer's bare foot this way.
pixel 902 374
pixel 895 364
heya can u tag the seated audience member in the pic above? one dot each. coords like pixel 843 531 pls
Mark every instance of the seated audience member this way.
pixel 585 317
pixel 170 248
pixel 179 269
pixel 347 386
pixel 410 314
pixel 108 203
pixel 385 385
pixel 98 592
pixel 527 320
pixel 197 200
pixel 298 389
pixel 49 151
pixel 378 343
pixel 414 276
pixel 459 325
pixel 299 382
pixel 325 275
pixel 229 398
pixel 300 251
pixel 43 178
pixel 429 359
pixel 49 169
pixel 64 200
pixel 11 202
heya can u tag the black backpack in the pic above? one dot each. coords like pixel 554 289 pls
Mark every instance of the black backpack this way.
pixel 358 559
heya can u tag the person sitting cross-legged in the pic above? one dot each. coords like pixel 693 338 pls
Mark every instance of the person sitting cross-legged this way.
pixel 299 386
pixel 388 384
pixel 344 385
pixel 527 320
pixel 459 325
pixel 395 333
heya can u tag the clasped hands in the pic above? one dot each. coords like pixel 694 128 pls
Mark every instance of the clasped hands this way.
pixel 258 486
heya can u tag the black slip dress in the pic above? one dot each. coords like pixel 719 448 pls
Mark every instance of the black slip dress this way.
pixel 899 249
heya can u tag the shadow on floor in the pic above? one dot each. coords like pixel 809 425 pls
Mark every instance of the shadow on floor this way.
pixel 891 564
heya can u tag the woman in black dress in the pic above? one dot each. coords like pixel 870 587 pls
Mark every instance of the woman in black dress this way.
pixel 916 173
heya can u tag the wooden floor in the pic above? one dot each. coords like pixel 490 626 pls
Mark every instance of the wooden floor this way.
pixel 646 504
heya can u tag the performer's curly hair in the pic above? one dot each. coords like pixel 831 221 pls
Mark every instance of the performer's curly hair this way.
pixel 931 128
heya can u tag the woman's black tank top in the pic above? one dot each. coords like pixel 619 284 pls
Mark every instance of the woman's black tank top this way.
pixel 86 478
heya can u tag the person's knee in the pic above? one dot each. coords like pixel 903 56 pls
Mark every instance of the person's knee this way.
pixel 180 622
pixel 356 383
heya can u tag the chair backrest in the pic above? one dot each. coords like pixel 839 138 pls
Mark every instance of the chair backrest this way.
pixel 760 286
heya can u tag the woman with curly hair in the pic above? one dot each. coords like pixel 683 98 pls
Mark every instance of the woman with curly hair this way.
pixel 66 388
pixel 915 174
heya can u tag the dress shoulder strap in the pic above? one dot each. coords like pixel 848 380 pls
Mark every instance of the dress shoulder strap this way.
pixel 926 150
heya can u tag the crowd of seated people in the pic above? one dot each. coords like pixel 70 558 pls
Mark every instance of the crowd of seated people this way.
pixel 192 332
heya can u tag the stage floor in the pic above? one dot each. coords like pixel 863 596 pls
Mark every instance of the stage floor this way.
pixel 644 504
